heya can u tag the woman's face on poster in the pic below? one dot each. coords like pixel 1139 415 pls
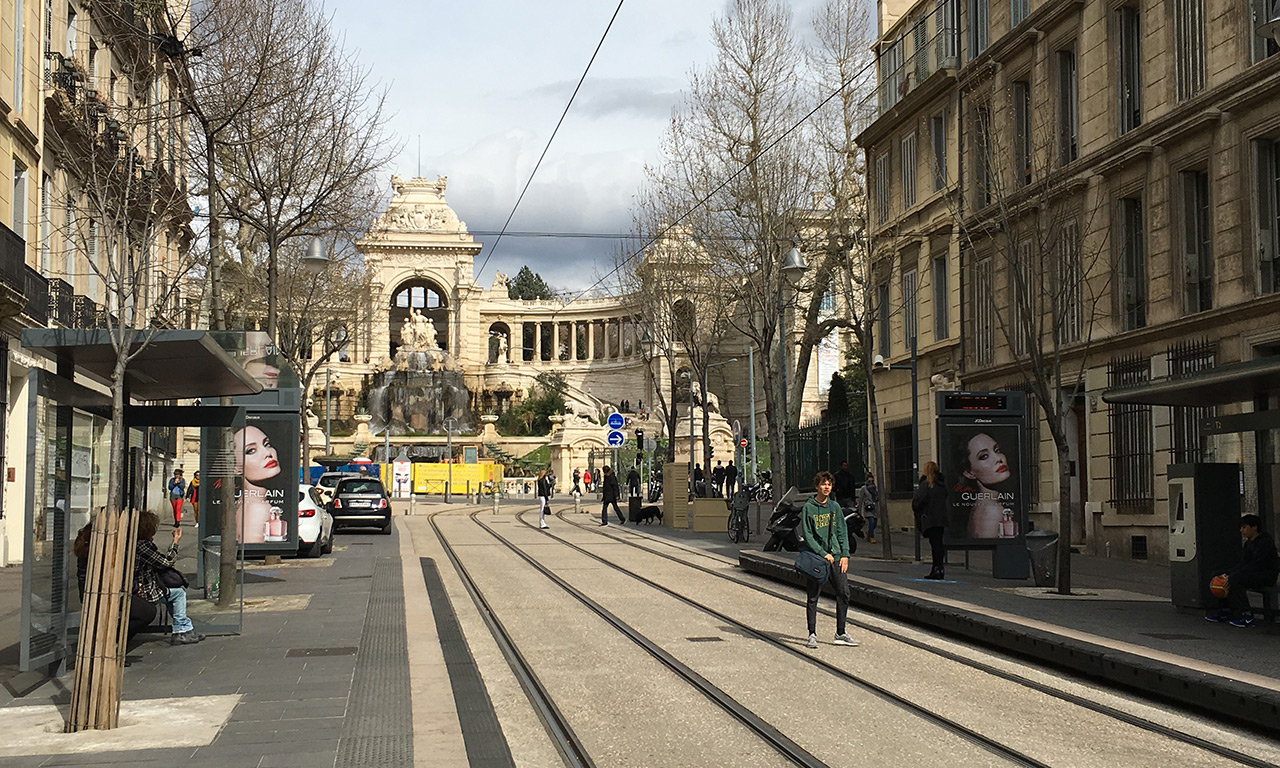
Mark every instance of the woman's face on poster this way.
pixel 255 456
pixel 267 374
pixel 987 463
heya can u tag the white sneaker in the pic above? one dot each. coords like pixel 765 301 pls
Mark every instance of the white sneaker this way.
pixel 845 640
pixel 544 526
pixel 813 641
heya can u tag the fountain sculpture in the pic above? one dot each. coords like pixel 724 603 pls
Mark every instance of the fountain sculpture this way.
pixel 421 386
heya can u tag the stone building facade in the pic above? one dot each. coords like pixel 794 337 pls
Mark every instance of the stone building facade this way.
pixel 1136 148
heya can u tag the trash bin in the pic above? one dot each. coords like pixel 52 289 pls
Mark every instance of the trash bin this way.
pixel 1042 546
pixel 634 505
pixel 212 547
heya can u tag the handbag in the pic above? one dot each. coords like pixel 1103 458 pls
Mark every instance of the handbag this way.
pixel 813 566
pixel 171 578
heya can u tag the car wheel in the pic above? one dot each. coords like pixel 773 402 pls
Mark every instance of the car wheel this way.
pixel 328 544
pixel 313 550
pixel 386 529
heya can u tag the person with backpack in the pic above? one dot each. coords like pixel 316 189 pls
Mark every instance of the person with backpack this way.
pixel 177 493
pixel 544 497
pixel 577 482
pixel 868 502
pixel 193 495
pixel 825 535
pixel 611 493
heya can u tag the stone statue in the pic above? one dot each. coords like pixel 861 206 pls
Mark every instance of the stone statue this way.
pixel 424 332
pixel 500 282
pixel 502 347
pixel 407 333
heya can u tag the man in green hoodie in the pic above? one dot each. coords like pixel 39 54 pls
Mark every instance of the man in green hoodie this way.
pixel 826 536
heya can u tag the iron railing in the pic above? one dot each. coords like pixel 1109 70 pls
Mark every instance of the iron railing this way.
pixel 36 292
pixel 1132 475
pixel 823 445
pixel 13 260
pixel 62 307
pixel 1186 359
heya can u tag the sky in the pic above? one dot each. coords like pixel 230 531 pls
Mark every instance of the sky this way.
pixel 481 83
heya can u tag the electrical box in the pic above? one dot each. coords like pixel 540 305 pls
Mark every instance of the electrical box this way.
pixel 1204 529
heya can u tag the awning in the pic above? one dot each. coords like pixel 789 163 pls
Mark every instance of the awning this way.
pixel 1221 385
pixel 174 364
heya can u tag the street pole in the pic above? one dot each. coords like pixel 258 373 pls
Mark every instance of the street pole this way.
pixel 751 384
pixel 448 485
pixel 327 419
pixel 915 430
pixel 693 489
pixel 706 434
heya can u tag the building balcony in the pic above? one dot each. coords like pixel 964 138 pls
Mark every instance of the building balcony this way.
pixel 62 307
pixel 23 291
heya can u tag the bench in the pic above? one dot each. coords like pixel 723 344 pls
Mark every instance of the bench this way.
pixel 1269 595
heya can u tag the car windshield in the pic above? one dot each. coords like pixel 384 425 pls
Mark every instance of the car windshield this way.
pixel 360 486
pixel 328 481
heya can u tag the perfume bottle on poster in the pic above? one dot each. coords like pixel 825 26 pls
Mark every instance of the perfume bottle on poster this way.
pixel 275 525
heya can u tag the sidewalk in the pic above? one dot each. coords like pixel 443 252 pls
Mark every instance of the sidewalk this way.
pixel 1119 625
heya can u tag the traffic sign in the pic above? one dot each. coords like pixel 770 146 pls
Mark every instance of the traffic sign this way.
pixel 743 442
pixel 616 422
pixel 617 439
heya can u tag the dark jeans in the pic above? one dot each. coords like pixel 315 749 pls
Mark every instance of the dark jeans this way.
pixel 604 512
pixel 934 535
pixel 141 614
pixel 840 582
pixel 1237 599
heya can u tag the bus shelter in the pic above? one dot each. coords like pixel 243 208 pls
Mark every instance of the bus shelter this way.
pixel 68 434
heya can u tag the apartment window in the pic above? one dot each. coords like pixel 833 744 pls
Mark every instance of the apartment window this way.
pixel 945 20
pixel 1132 478
pixel 1022 131
pixel 941 304
pixel 909 171
pixel 69 244
pixel 883 189
pixel 19 35
pixel 1022 304
pixel 978 27
pixel 1197 257
pixel 1018 10
pixel 901 467
pixel 891 75
pixel 19 210
pixel 1263 45
pixel 1188 38
pixel 71 31
pixel 1130 69
pixel 1068 108
pixel 983 313
pixel 938 134
pixel 93 67
pixel 1069 310
pixel 44 224
pixel 910 312
pixel 91 256
pixel 920 50
pixel 1266 170
pixel 1133 265
pixel 48 35
pixel 1187 443
pixel 982 160
pixel 882 316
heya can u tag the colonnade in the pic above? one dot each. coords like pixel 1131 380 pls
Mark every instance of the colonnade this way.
pixel 532 341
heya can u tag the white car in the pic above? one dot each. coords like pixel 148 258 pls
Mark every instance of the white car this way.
pixel 315 524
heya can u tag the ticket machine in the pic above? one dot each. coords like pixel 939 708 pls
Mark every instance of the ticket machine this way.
pixel 1204 529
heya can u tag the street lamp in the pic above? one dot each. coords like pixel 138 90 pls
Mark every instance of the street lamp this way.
pixel 316 258
pixel 706 437
pixel 793 268
pixel 878 364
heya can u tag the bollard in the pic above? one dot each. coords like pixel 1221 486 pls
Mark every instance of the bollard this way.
pixel 577 503
pixel 495 500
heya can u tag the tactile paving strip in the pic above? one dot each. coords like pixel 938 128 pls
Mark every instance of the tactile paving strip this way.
pixel 378 730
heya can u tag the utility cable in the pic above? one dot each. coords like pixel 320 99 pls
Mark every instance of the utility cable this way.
pixel 559 122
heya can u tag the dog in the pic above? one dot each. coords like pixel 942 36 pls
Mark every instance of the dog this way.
pixel 650 513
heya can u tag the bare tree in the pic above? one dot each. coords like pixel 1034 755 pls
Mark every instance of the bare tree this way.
pixel 1034 230
pixel 129 218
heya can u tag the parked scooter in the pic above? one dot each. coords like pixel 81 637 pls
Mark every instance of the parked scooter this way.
pixel 762 489
pixel 784 523
pixel 854 523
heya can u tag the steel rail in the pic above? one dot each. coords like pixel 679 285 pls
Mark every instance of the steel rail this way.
pixel 775 738
pixel 572 751
pixel 1071 698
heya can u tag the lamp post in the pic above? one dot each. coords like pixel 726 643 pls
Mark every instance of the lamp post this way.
pixel 328 376
pixel 880 365
pixel 793 268
pixel 751 389
pixel 706 436
pixel 693 490
pixel 449 425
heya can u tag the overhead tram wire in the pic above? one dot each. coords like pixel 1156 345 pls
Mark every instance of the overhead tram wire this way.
pixel 552 138
pixel 627 259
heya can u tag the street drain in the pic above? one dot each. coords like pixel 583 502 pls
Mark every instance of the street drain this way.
pixel 348 650
pixel 705 639
pixel 366 576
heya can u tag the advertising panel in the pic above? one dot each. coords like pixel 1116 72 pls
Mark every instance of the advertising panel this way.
pixel 981 460
pixel 267 471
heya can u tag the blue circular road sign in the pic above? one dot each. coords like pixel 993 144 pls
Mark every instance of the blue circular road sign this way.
pixel 616 422
pixel 616 439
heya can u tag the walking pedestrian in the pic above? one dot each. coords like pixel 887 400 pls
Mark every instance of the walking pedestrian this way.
pixel 586 479
pixel 177 493
pixel 844 489
pixel 730 479
pixel 544 497
pixel 1259 566
pixel 930 505
pixel 826 536
pixel 610 495
pixel 633 482
pixel 869 503
pixel 717 478
pixel 577 479
pixel 193 495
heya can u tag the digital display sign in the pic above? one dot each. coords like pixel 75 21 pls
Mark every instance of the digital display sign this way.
pixel 975 402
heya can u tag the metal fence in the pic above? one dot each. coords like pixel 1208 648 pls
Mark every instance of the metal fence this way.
pixel 1132 476
pixel 823 446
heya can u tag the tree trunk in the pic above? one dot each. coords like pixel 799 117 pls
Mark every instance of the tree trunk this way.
pixel 877 468
pixel 1064 516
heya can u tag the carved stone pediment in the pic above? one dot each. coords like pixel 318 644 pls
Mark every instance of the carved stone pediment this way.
pixel 418 206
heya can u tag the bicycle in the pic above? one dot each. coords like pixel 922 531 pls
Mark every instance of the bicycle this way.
pixel 739 524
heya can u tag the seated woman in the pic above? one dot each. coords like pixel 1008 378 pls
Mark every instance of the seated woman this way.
pixel 148 564
pixel 141 613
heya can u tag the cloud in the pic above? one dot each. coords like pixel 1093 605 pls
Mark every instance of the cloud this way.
pixel 651 98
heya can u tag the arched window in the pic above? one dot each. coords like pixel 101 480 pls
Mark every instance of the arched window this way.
pixel 427 298
pixel 499 343
pixel 685 316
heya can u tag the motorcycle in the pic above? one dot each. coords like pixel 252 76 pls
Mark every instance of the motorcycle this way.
pixel 762 489
pixel 854 523
pixel 784 523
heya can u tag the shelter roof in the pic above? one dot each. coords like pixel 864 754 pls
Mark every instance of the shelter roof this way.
pixel 1223 384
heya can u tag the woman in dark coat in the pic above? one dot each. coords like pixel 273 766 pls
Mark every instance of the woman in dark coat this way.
pixel 611 494
pixel 930 506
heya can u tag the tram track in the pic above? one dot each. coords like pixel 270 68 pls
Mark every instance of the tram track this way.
pixel 1065 696
pixel 963 732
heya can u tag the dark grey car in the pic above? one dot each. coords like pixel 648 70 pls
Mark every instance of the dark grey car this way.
pixel 361 502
